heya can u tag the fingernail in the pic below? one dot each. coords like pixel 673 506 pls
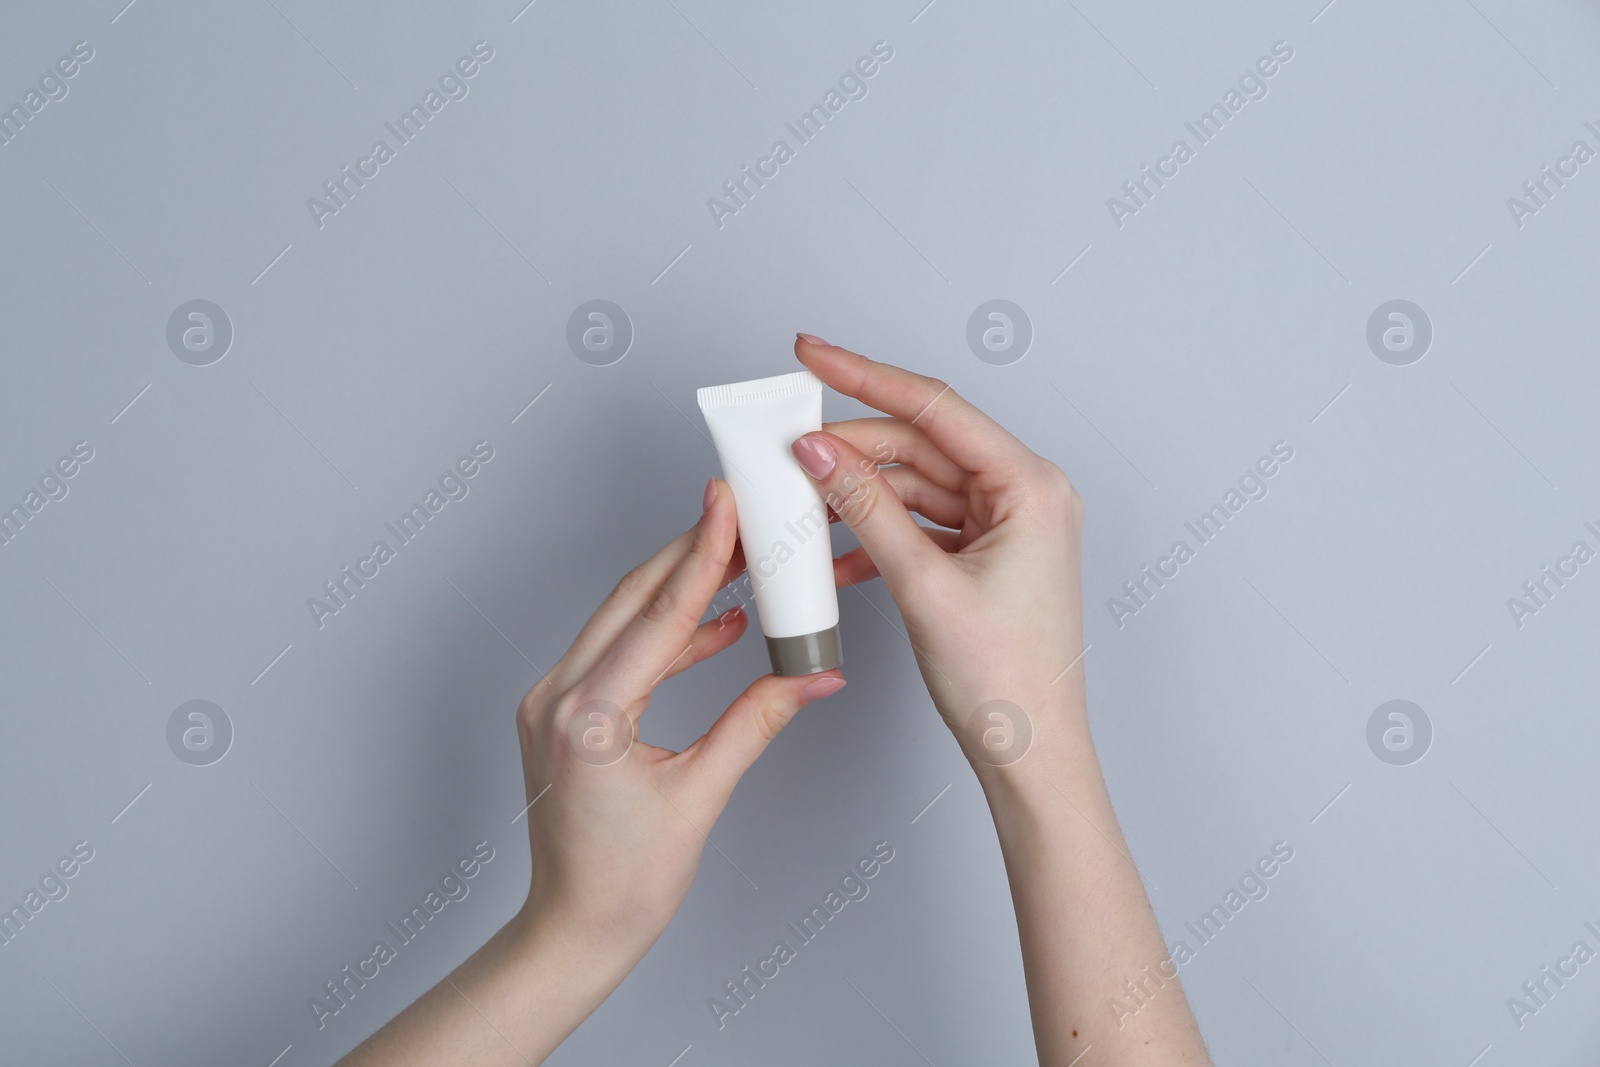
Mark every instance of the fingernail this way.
pixel 812 339
pixel 815 455
pixel 823 687
pixel 711 495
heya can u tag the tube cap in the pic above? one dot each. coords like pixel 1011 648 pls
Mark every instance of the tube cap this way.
pixel 806 653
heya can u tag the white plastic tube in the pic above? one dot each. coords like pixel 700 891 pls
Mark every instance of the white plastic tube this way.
pixel 783 522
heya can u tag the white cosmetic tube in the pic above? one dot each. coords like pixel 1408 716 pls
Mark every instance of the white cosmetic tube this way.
pixel 783 522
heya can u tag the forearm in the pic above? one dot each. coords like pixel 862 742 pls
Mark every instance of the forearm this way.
pixel 1084 921
pixel 511 1002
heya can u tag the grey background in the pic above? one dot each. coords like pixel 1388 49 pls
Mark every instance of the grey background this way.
pixel 1225 316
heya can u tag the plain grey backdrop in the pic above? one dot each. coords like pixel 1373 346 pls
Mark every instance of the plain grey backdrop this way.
pixel 1175 340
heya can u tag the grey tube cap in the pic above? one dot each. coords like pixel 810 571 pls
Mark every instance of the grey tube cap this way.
pixel 806 653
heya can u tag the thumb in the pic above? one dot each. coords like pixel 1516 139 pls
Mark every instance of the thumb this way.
pixel 854 488
pixel 739 736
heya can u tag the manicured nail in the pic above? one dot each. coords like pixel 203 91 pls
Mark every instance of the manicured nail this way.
pixel 815 455
pixel 823 687
pixel 812 339
pixel 711 495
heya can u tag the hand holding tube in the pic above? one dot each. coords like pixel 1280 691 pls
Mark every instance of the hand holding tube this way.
pixel 616 826
pixel 991 602
pixel 992 605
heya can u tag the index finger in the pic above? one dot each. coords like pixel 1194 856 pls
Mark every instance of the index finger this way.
pixel 661 632
pixel 974 440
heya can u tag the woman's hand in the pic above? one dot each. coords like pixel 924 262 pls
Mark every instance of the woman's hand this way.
pixel 617 826
pixel 991 602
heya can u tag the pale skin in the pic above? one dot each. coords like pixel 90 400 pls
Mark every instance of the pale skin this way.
pixel 991 600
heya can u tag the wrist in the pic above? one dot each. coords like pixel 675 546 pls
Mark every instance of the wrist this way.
pixel 590 963
pixel 1058 774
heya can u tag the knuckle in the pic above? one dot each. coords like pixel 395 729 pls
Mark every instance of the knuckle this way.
pixel 857 502
pixel 1057 480
pixel 1067 504
pixel 1050 481
pixel 537 704
pixel 630 587
pixel 527 715
pixel 663 606
pixel 770 719
pixel 1049 493
pixel 700 547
